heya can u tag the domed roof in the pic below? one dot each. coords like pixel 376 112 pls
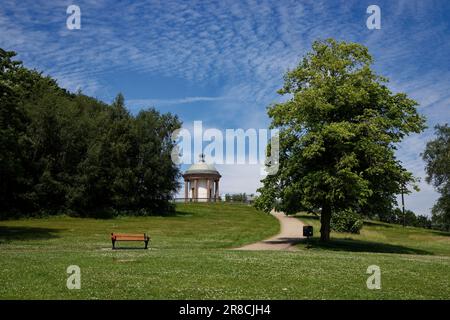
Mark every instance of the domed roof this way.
pixel 202 168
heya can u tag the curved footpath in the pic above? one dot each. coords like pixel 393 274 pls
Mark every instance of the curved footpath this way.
pixel 290 234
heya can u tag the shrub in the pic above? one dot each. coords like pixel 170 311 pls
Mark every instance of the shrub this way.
pixel 346 221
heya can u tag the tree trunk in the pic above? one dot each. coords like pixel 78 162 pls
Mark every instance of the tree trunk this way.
pixel 325 219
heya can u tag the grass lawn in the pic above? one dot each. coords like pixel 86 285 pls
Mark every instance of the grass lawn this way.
pixel 189 259
pixel 382 237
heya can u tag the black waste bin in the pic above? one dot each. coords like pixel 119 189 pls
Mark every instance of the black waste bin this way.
pixel 307 231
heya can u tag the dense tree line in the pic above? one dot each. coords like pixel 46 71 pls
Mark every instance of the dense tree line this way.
pixel 66 152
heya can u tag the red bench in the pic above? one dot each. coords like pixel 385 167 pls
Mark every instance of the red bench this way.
pixel 129 237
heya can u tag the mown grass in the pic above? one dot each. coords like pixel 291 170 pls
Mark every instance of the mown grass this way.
pixel 190 259
pixel 382 237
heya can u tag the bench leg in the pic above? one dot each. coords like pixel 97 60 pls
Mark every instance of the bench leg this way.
pixel 146 243
pixel 113 243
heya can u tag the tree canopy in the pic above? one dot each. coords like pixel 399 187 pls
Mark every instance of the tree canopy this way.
pixel 66 152
pixel 338 133
pixel 437 159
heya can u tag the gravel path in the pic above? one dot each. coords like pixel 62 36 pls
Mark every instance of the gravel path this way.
pixel 291 233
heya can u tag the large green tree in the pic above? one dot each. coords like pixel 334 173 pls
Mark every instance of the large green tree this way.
pixel 437 158
pixel 338 130
pixel 12 128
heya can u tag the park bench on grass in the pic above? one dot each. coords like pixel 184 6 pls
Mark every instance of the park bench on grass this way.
pixel 129 237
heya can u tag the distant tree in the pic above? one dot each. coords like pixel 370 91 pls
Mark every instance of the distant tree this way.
pixel 338 131
pixel 423 222
pixel 410 218
pixel 239 197
pixel 106 170
pixel 437 159
pixel 236 197
pixel 48 107
pixel 156 173
pixel 389 216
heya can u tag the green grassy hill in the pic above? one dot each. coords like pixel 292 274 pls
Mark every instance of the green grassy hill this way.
pixel 383 238
pixel 190 259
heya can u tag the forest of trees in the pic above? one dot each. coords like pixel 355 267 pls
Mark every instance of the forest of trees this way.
pixel 62 152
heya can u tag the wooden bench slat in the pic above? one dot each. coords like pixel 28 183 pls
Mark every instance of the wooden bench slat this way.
pixel 129 237
pixel 137 237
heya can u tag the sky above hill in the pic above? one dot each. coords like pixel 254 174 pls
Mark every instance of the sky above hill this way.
pixel 222 62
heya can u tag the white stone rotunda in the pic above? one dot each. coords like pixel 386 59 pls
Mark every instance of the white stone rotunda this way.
pixel 201 182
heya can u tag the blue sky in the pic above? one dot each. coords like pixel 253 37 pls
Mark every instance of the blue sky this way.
pixel 222 61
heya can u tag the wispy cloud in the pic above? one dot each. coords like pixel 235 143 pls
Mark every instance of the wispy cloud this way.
pixel 169 102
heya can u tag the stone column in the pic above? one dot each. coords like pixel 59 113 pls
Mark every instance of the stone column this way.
pixel 217 190
pixel 186 190
pixel 195 193
pixel 208 186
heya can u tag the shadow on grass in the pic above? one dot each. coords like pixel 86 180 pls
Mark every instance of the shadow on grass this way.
pixel 176 214
pixel 440 233
pixel 10 233
pixel 378 224
pixel 128 248
pixel 307 216
pixel 352 245
pixel 112 216
pixel 284 240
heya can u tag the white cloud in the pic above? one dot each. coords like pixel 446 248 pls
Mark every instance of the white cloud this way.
pixel 169 102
